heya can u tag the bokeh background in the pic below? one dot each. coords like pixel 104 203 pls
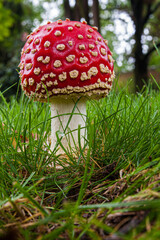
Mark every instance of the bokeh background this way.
pixel 132 28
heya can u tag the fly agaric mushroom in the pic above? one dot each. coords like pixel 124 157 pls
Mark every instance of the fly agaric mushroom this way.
pixel 66 61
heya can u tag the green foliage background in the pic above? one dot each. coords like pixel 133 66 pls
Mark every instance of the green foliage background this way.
pixel 16 21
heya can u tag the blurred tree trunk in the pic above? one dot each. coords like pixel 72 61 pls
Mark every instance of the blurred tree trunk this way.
pixel 96 17
pixel 81 9
pixel 142 11
pixel 86 10
pixel 67 10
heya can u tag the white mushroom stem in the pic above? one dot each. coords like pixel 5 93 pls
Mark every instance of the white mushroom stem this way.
pixel 66 126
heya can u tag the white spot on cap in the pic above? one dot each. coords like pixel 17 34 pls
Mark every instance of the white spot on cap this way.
pixel 84 76
pixel 55 82
pixel 27 50
pixel 70 43
pixel 80 36
pixel 25 82
pixel 47 44
pixel 38 86
pixel 57 64
pixel 31 81
pixel 49 84
pixel 59 21
pixel 30 40
pixel 60 47
pixel 77 25
pixel 95 28
pixel 70 58
pixel 73 73
pixel 40 59
pixel 28 66
pixel 109 79
pixel 70 28
pixel 48 28
pixel 90 30
pixel 94 53
pixel 81 47
pixel 37 41
pixel 22 51
pixel 106 42
pixel 46 60
pixel 33 51
pixel 43 78
pixel 37 71
pixel 110 58
pixel 46 75
pixel 21 66
pixel 84 22
pixel 92 71
pixel 37 30
pixel 62 77
pixel 52 75
pixel 103 51
pixel 91 46
pixel 104 69
pixel 83 60
pixel 57 33
pixel 89 36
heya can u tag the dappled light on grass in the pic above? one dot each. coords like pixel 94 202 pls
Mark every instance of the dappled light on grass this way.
pixel 108 189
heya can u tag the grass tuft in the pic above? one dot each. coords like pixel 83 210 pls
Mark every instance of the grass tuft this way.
pixel 108 190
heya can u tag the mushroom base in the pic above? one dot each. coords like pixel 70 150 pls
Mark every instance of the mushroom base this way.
pixel 67 115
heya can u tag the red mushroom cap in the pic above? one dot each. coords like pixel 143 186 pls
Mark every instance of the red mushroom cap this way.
pixel 66 58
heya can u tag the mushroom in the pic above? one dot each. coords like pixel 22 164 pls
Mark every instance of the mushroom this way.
pixel 68 62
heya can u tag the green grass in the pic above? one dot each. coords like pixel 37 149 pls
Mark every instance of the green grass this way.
pixel 110 189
